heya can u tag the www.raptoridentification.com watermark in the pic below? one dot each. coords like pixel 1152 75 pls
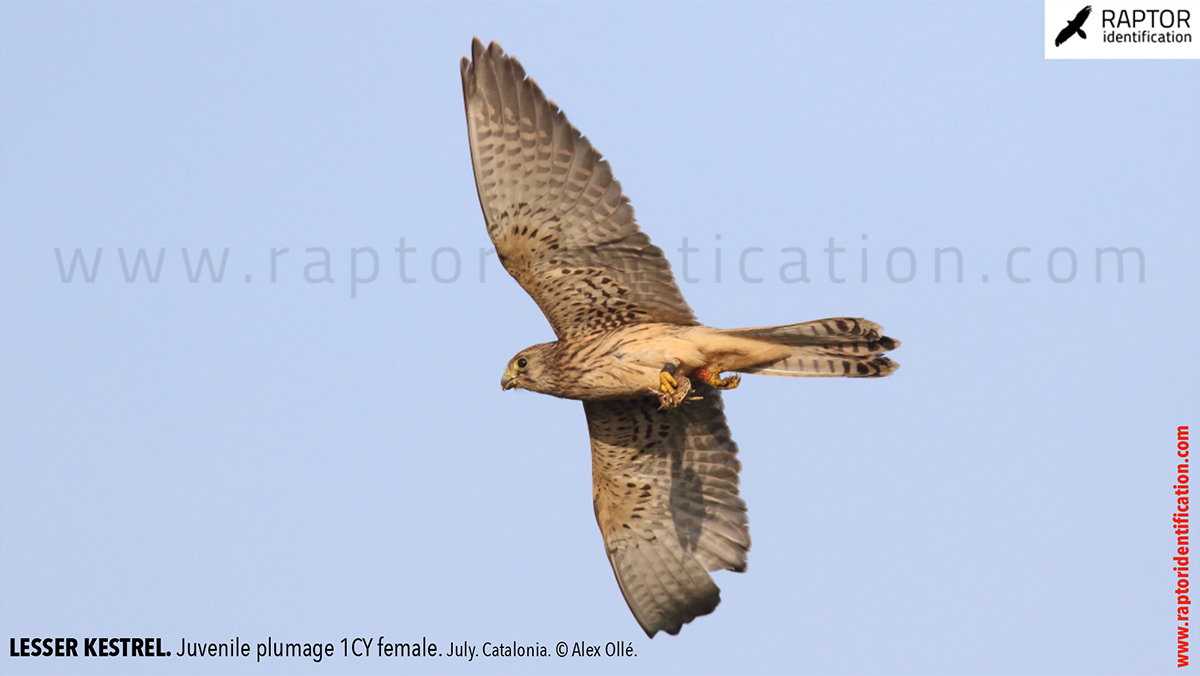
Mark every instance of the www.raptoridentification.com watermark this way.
pixel 1181 524
pixel 834 262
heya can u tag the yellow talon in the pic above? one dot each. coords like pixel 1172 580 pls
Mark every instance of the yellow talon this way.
pixel 668 382
pixel 713 379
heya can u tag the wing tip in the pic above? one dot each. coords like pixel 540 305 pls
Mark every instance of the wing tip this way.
pixel 493 51
pixel 674 625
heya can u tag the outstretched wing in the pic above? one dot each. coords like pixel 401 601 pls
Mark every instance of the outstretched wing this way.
pixel 665 488
pixel 1082 16
pixel 558 219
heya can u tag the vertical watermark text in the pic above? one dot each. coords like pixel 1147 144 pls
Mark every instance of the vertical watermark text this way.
pixel 1180 524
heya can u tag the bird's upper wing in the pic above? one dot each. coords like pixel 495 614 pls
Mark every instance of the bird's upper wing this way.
pixel 558 219
pixel 665 488
pixel 1082 16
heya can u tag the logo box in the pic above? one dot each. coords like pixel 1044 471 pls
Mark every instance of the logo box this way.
pixel 1138 29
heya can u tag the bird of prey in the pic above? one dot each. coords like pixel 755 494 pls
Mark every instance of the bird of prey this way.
pixel 1074 26
pixel 664 467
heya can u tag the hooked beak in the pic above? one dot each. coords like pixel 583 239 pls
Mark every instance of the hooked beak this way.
pixel 508 381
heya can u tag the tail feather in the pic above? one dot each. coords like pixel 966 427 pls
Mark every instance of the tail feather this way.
pixel 817 332
pixel 837 347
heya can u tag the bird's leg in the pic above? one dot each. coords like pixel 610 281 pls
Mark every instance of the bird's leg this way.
pixel 667 378
pixel 713 379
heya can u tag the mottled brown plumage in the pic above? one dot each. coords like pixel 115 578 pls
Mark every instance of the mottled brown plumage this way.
pixel 664 467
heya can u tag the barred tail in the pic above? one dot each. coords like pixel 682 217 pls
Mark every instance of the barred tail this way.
pixel 838 347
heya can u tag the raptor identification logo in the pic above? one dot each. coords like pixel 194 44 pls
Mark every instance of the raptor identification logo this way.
pixel 1122 29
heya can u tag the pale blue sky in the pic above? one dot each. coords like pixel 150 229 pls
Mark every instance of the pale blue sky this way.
pixel 210 460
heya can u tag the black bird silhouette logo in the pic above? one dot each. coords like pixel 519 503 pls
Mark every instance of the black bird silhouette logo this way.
pixel 1074 26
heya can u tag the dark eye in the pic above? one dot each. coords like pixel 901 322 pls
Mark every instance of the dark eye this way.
pixel 522 363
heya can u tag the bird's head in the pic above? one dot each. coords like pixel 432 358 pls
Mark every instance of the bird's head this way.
pixel 529 369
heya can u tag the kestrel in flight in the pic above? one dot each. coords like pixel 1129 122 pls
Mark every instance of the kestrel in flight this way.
pixel 664 468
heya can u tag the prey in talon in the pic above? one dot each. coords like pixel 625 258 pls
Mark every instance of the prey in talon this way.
pixel 674 390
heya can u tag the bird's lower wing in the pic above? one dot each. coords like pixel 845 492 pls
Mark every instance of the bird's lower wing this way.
pixel 665 489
